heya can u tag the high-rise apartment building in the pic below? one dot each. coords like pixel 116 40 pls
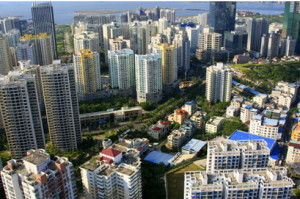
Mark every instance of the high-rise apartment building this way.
pixel 5 61
pixel 169 14
pixel 61 104
pixel 228 154
pixel 287 46
pixel 121 68
pixel 222 16
pixel 36 176
pixel 86 40
pixel 209 45
pixel 114 174
pixel 182 44
pixel 168 57
pixel 255 29
pixel 13 37
pixel 273 44
pixel 20 112
pixel 42 46
pixel 150 31
pixel 43 22
pixel 235 41
pixel 203 19
pixel 9 23
pixel 26 51
pixel 257 183
pixel 119 43
pixel 291 25
pixel 148 75
pixel 218 83
pixel 87 71
pixel 137 38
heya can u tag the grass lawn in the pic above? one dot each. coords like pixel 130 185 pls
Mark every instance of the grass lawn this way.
pixel 175 181
pixel 5 156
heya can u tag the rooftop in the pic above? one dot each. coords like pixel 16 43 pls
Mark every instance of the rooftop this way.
pixel 111 152
pixel 194 145
pixel 36 156
pixel 158 157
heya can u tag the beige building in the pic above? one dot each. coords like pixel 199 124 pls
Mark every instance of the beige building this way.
pixel 20 111
pixel 214 124
pixel 293 154
pixel 60 97
pixel 209 45
pixel 179 116
pixel 5 61
pixel 168 58
pixel 87 71
pixel 36 176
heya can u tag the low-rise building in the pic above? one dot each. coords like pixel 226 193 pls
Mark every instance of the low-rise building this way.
pixel 293 154
pixel 176 138
pixel 229 154
pixel 214 124
pixel 284 93
pixel 247 111
pixel 140 144
pixel 260 99
pixel 159 130
pixel 232 111
pixel 179 116
pixel 257 183
pixel 36 176
pixel 114 174
pixel 193 146
pixel 198 118
pixel 296 132
pixel 241 59
pixel 190 107
pixel 267 127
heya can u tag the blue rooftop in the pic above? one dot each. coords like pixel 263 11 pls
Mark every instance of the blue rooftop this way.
pixel 248 106
pixel 235 83
pixel 268 121
pixel 194 145
pixel 158 157
pixel 257 117
pixel 191 103
pixel 275 152
pixel 246 88
pixel 240 135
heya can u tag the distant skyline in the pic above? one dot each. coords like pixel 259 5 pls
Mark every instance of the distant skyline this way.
pixel 63 11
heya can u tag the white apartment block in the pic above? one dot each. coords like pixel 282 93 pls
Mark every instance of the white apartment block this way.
pixel 87 71
pixel 113 174
pixel 228 154
pixel 182 44
pixel 177 138
pixel 148 75
pixel 260 99
pixel 198 118
pixel 263 126
pixel 214 124
pixel 121 68
pixel 285 93
pixel 209 44
pixel 247 111
pixel 258 183
pixel 159 130
pixel 232 111
pixel 190 107
pixel 169 14
pixel 20 111
pixel 36 176
pixel 61 104
pixel 119 43
pixel 293 154
pixel 218 83
pixel 86 40
pixel 137 38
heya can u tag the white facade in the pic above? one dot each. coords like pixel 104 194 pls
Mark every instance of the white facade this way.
pixel 169 14
pixel 218 83
pixel 257 183
pixel 86 40
pixel 247 112
pixel 214 124
pixel 137 38
pixel 266 127
pixel 121 68
pixel 228 154
pixel 38 177
pixel 182 45
pixel 148 75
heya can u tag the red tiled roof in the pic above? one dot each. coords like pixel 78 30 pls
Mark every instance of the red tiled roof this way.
pixel 181 112
pixel 156 129
pixel 164 123
pixel 107 160
pixel 111 152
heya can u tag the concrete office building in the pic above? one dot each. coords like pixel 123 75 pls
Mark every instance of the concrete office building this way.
pixel 43 22
pixel 87 71
pixel 238 183
pixel 21 113
pixel 218 83
pixel 61 104
pixel 5 61
pixel 122 70
pixel 36 176
pixel 228 154
pixel 148 75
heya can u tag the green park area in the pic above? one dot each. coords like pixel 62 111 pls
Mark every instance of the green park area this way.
pixel 175 180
